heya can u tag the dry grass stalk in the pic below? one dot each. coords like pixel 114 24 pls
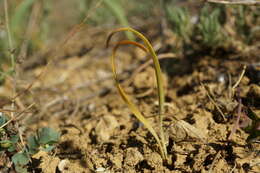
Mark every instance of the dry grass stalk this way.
pixel 236 2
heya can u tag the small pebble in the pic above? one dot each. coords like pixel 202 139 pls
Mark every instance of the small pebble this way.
pixel 63 165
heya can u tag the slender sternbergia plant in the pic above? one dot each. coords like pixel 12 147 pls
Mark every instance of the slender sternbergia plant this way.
pixel 147 47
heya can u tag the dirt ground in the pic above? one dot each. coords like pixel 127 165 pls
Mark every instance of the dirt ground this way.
pixel 77 97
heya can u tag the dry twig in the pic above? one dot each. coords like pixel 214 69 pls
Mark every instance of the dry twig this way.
pixel 213 101
pixel 236 2
pixel 19 115
pixel 239 79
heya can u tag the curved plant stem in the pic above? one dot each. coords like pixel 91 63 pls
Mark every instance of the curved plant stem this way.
pixel 148 48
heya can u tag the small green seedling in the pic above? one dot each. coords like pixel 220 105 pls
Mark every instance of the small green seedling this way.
pixel 209 27
pixel 147 47
pixel 20 161
pixel 10 144
pixel 180 19
pixel 7 138
pixel 44 140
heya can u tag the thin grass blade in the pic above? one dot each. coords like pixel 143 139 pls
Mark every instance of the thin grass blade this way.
pixel 160 90
pixel 126 98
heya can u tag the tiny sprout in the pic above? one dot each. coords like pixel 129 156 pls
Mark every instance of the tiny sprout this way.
pixel 147 47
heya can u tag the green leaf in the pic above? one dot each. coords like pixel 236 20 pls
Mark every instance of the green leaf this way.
pixel 47 135
pixel 33 145
pixel 20 159
pixel 12 148
pixel 48 148
pixel 119 12
pixel 20 169
pixel 14 138
pixel 252 115
pixel 4 144
pixel 9 144
pixel 3 119
pixel 19 15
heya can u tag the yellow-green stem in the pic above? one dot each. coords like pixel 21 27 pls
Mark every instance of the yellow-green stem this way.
pixel 159 80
